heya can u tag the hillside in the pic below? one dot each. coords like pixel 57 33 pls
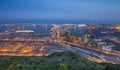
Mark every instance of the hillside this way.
pixel 56 61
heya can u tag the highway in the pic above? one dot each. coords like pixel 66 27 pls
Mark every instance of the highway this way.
pixel 88 52
pixel 91 53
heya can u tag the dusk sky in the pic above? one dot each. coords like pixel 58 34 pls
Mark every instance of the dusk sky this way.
pixel 60 9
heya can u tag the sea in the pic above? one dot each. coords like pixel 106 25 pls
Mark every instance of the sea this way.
pixel 40 29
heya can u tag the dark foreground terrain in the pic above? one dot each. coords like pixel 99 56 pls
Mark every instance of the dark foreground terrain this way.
pixel 56 61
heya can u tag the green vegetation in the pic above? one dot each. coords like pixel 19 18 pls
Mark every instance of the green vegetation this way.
pixel 62 67
pixel 56 61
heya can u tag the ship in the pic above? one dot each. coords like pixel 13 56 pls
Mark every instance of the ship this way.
pixel 24 31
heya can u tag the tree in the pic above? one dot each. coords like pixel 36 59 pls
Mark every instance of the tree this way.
pixel 112 67
pixel 12 66
pixel 63 67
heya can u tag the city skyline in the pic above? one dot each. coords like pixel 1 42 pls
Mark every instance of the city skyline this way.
pixel 59 34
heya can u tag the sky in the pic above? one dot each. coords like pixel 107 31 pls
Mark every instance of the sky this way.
pixel 60 9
